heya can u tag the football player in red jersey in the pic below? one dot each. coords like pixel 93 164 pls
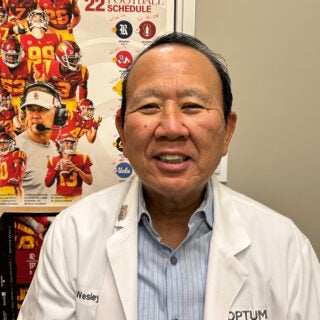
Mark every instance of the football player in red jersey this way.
pixel 69 168
pixel 81 122
pixel 64 15
pixel 39 45
pixel 7 29
pixel 19 9
pixel 16 72
pixel 12 165
pixel 67 74
pixel 9 118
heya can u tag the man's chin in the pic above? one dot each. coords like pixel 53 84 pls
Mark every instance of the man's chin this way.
pixel 176 189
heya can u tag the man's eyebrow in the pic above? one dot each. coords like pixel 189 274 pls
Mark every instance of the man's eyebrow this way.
pixel 146 93
pixel 152 92
pixel 195 92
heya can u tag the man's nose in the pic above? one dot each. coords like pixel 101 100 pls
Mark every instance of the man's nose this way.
pixel 171 124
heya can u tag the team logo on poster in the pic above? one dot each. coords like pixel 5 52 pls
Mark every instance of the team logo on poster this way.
pixel 123 29
pixel 123 59
pixel 124 170
pixel 118 144
pixel 147 30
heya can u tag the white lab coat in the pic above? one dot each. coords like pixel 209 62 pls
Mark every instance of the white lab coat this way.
pixel 260 265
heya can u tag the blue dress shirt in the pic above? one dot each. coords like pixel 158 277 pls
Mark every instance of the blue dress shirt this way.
pixel 172 283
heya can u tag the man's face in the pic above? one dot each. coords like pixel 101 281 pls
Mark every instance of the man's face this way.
pixel 11 57
pixel 36 114
pixel 37 18
pixel 174 132
pixel 3 18
pixel 68 146
pixel 88 113
pixel 5 103
pixel 4 146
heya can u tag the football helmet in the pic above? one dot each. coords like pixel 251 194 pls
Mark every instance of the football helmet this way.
pixel 7 143
pixel 3 16
pixel 68 54
pixel 86 109
pixel 12 52
pixel 66 143
pixel 38 18
pixel 5 99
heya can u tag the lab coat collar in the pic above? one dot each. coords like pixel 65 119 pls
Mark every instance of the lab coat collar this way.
pixel 228 224
pixel 226 275
pixel 122 252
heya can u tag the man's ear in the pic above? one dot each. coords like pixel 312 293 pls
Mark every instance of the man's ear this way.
pixel 230 127
pixel 119 121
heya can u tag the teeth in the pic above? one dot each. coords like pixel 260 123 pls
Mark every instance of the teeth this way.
pixel 172 158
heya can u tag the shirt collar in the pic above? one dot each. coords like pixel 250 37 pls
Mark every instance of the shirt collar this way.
pixel 206 206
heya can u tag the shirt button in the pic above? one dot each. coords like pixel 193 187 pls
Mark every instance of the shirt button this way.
pixel 173 260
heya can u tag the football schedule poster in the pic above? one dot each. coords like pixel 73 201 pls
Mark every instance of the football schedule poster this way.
pixel 80 49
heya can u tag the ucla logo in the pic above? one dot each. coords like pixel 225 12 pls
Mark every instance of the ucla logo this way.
pixel 124 170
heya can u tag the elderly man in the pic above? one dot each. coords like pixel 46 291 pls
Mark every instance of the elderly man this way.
pixel 174 243
pixel 42 106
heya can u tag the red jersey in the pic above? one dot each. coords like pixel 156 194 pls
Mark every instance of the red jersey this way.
pixel 6 120
pixel 58 11
pixel 39 50
pixel 67 83
pixel 77 126
pixel 20 8
pixel 7 114
pixel 14 80
pixel 70 184
pixel 7 168
pixel 5 31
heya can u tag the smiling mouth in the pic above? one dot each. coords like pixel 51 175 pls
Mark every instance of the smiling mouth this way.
pixel 172 158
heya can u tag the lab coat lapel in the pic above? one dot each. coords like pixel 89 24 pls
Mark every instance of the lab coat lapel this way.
pixel 121 272
pixel 226 275
pixel 122 254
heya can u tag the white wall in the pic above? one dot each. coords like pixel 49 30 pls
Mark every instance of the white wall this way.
pixel 273 52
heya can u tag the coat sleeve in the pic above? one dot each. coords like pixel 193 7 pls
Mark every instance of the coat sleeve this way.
pixel 304 286
pixel 51 294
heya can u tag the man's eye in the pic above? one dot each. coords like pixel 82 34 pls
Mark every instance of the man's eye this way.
pixel 191 107
pixel 148 108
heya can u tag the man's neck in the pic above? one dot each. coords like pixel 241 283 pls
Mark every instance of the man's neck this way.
pixel 170 218
pixel 38 33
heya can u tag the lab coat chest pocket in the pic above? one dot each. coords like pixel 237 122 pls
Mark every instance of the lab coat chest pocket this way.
pixel 257 301
pixel 261 297
pixel 251 304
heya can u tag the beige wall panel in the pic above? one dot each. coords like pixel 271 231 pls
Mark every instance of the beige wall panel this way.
pixel 273 52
